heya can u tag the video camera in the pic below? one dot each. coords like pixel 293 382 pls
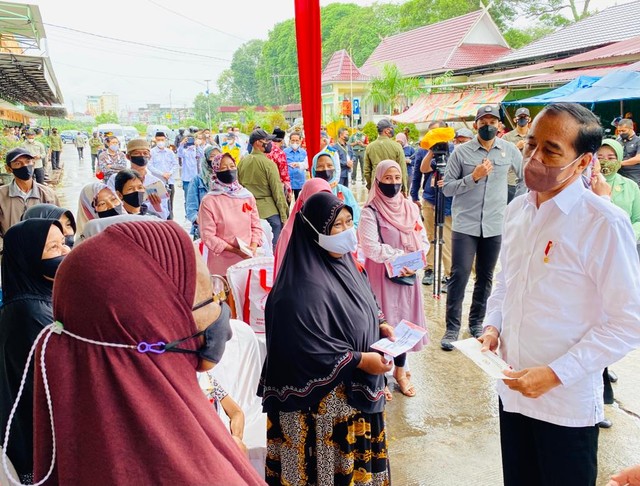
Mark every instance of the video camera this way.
pixel 437 141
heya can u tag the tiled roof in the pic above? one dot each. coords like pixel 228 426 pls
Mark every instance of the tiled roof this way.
pixel 341 68
pixel 627 47
pixel 434 48
pixel 611 25
pixel 560 77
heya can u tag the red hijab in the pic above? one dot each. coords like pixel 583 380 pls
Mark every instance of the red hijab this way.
pixel 123 417
pixel 399 211
pixel 311 187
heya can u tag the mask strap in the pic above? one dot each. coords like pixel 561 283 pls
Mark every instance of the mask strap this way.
pixel 172 347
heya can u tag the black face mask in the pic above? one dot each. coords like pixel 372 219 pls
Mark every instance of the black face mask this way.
pixel 139 160
pixel 623 136
pixel 389 190
pixel 24 173
pixel 69 240
pixel 108 213
pixel 267 147
pixel 50 266
pixel 523 122
pixel 327 175
pixel 487 132
pixel 227 176
pixel 216 336
pixel 134 199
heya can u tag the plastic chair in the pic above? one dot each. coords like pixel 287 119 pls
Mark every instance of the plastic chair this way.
pixel 238 372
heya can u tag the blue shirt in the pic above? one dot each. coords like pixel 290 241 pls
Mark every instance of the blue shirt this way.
pixel 297 175
pixel 424 180
pixel 345 153
pixel 409 153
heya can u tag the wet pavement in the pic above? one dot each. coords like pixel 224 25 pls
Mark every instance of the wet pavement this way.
pixel 448 433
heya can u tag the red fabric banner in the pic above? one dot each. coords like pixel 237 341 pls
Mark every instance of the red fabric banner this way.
pixel 309 43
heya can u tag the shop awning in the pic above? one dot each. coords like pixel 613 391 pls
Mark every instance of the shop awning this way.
pixel 28 80
pixel 421 110
pixel 618 85
pixel 468 104
pixel 577 84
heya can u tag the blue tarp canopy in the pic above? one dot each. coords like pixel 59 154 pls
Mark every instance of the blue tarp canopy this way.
pixel 575 86
pixel 615 86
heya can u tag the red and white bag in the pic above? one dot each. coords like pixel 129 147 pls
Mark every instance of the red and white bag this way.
pixel 257 288
pixel 251 281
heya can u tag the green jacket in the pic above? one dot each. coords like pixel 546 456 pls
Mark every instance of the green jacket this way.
pixel 55 142
pixel 381 149
pixel 261 177
pixel 626 195
pixel 95 144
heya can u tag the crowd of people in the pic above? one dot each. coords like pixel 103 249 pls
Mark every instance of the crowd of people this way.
pixel 99 384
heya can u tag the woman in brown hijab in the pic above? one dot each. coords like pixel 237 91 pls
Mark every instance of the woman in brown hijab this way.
pixel 133 413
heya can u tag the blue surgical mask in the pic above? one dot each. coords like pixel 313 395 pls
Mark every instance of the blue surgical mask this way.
pixel 341 244
pixel 114 147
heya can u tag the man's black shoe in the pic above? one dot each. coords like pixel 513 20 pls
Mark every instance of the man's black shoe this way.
pixel 447 340
pixel 444 286
pixel 476 331
pixel 428 277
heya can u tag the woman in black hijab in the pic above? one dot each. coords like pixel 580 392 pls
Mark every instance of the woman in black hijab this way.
pixel 322 387
pixel 33 249
pixel 55 213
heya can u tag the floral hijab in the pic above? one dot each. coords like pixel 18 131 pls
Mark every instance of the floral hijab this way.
pixel 217 187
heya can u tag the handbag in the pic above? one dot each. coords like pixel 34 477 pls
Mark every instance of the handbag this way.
pixel 407 280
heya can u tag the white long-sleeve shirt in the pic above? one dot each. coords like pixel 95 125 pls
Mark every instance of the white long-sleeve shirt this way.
pixel 568 297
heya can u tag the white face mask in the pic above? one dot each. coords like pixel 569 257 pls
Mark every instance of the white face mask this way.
pixel 161 145
pixel 341 244
pixel 295 146
pixel 114 147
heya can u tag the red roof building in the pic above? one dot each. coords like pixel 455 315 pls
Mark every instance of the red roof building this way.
pixel 452 45
pixel 342 68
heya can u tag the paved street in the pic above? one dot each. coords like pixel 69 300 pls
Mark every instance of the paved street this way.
pixel 448 433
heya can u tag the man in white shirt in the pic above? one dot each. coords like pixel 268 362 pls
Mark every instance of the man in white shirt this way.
pixel 164 165
pixel 565 305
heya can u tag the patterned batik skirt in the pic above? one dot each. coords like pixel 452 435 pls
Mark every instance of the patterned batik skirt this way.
pixel 334 445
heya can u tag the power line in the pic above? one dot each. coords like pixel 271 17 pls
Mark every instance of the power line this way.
pixel 137 43
pixel 195 21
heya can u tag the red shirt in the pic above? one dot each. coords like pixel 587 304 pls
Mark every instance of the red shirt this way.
pixel 280 159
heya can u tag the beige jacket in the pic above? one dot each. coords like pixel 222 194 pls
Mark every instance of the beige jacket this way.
pixel 13 204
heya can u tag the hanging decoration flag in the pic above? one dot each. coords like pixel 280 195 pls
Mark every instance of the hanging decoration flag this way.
pixel 309 43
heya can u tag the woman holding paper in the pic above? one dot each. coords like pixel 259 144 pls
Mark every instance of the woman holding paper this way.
pixel 228 217
pixel 390 227
pixel 322 387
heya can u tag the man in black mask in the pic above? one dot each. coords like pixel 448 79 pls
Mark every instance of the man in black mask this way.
pixel 139 154
pixel 631 150
pixel 476 177
pixel 23 192
pixel 261 177
pixel 518 137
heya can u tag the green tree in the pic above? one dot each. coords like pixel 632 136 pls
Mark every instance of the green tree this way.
pixel 203 105
pixel 518 38
pixel 244 88
pixel 108 117
pixel 277 72
pixel 225 86
pixel 391 87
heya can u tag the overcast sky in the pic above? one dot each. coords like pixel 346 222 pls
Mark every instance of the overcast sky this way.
pixel 212 29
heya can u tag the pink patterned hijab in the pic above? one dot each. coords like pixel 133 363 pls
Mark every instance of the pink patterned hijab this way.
pixel 399 211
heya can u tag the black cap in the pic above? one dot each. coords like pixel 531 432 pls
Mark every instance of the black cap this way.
pixel 279 134
pixel 384 124
pixel 160 134
pixel 522 112
pixel 31 132
pixel 259 134
pixel 492 110
pixel 15 153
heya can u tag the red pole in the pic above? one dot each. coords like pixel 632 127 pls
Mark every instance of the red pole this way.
pixel 309 43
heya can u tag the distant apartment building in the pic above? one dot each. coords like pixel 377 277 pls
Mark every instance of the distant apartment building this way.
pixel 104 103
